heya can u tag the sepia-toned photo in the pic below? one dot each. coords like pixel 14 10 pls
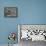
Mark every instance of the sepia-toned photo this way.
pixel 10 11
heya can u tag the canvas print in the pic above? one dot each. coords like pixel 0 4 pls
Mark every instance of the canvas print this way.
pixel 10 11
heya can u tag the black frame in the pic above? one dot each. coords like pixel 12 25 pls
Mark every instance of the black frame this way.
pixel 16 10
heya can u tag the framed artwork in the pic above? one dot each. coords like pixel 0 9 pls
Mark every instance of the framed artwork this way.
pixel 10 12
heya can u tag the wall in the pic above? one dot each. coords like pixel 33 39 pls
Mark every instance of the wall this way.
pixel 29 12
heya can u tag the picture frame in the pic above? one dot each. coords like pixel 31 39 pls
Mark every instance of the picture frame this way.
pixel 10 11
